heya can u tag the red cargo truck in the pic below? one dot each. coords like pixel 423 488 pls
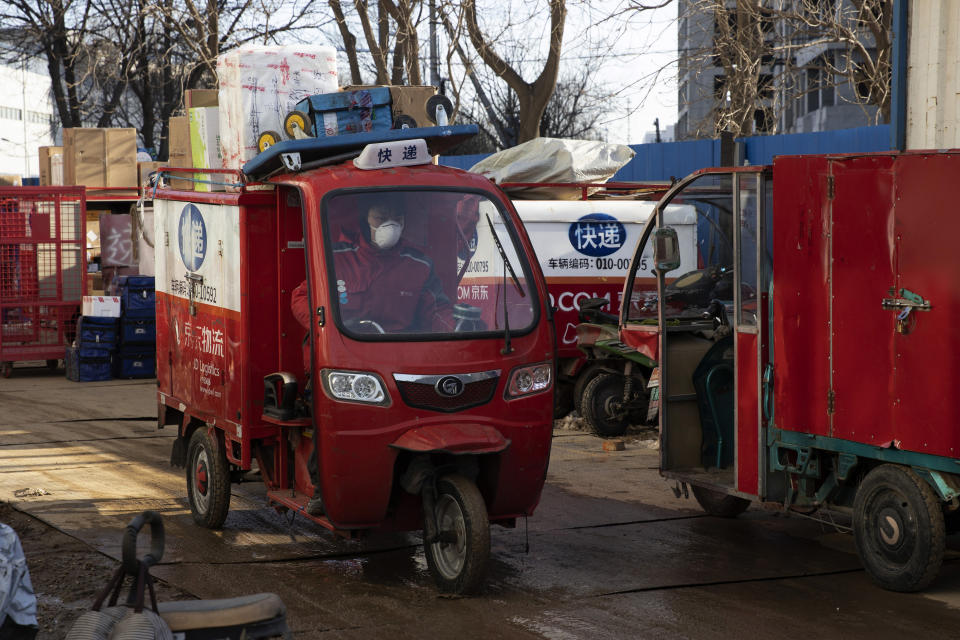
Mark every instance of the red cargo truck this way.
pixel 810 363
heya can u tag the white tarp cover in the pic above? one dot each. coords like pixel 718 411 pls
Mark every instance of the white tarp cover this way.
pixel 17 599
pixel 554 160
pixel 260 85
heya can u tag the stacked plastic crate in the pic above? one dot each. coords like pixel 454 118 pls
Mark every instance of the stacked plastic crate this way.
pixel 137 354
pixel 88 359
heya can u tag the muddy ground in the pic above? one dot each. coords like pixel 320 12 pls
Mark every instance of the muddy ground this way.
pixel 68 574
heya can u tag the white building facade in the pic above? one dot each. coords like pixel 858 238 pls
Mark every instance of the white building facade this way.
pixel 26 118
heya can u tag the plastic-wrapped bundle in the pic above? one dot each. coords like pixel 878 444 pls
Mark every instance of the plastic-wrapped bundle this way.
pixel 259 85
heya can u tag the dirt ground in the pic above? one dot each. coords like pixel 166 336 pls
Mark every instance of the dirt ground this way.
pixel 67 574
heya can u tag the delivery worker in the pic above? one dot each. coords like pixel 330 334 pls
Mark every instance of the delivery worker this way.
pixel 384 285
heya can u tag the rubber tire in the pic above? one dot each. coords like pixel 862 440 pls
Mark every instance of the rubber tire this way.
pixel 588 374
pixel 204 447
pixel 897 493
pixel 304 119
pixel 475 537
pixel 717 503
pixel 562 399
pixel 596 394
pixel 268 139
pixel 53 365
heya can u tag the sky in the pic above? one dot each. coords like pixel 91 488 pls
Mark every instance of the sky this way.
pixel 641 73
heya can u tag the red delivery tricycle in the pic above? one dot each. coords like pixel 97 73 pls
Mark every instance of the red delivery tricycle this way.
pixel 419 393
pixel 807 362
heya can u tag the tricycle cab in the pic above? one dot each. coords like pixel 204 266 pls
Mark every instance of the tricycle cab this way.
pixel 421 360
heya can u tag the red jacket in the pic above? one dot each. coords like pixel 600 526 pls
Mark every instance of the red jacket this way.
pixel 396 288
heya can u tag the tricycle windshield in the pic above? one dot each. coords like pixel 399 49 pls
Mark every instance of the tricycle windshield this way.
pixel 706 248
pixel 425 263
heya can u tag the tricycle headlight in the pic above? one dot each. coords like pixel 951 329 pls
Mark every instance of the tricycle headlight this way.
pixel 529 380
pixel 354 386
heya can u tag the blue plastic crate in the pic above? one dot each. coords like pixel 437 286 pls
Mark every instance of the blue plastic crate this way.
pixel 138 331
pixel 130 362
pixel 93 331
pixel 87 364
pixel 138 297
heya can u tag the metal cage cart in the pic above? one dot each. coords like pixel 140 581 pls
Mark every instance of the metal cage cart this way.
pixel 42 272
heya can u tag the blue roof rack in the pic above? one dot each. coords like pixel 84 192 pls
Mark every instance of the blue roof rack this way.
pixel 317 152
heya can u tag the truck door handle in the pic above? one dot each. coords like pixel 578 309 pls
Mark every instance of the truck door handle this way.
pixel 195 280
pixel 905 304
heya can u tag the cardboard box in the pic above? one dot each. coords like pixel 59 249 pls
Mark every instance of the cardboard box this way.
pixel 180 156
pixel 144 169
pixel 95 284
pixel 100 157
pixel 205 145
pixel 9 180
pixel 407 100
pixel 101 306
pixel 199 98
pixel 46 174
pixel 56 169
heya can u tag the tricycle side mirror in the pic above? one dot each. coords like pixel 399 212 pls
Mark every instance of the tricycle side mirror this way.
pixel 666 249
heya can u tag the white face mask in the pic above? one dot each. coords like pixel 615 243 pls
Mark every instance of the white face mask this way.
pixel 387 234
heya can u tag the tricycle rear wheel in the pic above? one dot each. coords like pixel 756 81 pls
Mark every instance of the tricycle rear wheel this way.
pixel 208 479
pixel 898 527
pixel 458 560
pixel 720 504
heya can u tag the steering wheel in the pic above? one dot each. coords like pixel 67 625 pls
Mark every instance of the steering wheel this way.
pixel 363 325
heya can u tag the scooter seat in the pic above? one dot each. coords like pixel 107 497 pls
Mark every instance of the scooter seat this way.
pixel 227 612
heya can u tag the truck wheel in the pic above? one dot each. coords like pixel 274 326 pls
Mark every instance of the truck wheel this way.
pixel 208 479
pixel 601 405
pixel 53 364
pixel 720 504
pixel 458 559
pixel 898 527
pixel 588 374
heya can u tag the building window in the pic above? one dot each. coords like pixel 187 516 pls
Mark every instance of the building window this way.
pixel 36 117
pixel 9 113
pixel 813 90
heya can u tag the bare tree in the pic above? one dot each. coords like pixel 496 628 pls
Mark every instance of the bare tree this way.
pixel 57 30
pixel 771 54
pixel 400 17
pixel 532 97
pixel 573 111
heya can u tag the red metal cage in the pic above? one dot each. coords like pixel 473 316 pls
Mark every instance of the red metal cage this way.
pixel 42 271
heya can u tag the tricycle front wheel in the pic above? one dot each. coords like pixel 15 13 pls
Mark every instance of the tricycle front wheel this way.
pixel 458 559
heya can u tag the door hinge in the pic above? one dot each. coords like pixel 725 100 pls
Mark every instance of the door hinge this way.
pixel 831 402
pixel 830 187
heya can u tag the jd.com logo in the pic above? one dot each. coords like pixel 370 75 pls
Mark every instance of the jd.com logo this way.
pixel 597 235
pixel 193 237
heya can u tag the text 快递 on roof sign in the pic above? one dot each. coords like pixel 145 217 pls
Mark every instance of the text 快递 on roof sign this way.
pixel 401 153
